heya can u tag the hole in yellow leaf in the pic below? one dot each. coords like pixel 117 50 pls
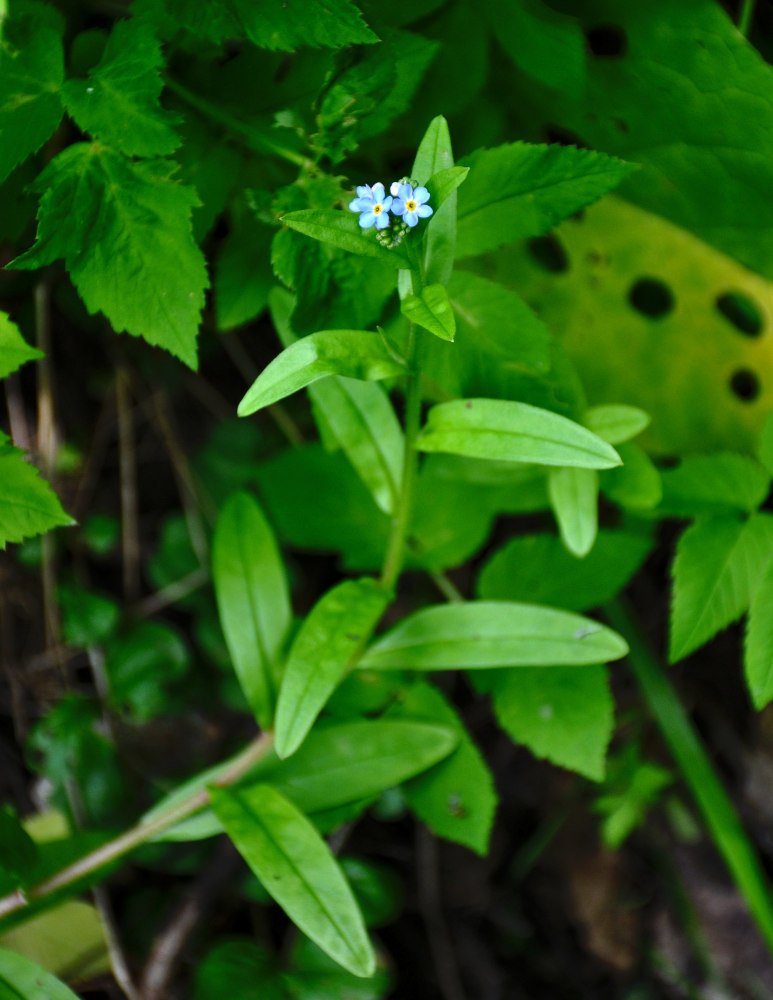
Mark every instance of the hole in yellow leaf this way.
pixel 745 385
pixel 651 297
pixel 549 253
pixel 741 312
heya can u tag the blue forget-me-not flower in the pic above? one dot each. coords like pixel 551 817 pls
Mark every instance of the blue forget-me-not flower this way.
pixel 373 203
pixel 410 203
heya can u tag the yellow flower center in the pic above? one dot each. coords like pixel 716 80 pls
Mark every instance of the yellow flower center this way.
pixel 411 206
pixel 377 209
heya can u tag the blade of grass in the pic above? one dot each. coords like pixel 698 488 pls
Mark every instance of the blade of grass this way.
pixel 718 811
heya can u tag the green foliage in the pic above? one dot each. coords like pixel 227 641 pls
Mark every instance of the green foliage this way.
pixel 298 870
pixel 713 484
pixel 14 351
pixel 123 230
pixel 252 599
pixel 574 498
pixel 342 231
pixel 633 787
pixel 28 505
pixel 20 977
pixel 431 310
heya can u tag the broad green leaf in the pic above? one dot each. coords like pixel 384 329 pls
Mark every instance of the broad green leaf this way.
pixel 616 423
pixel 561 714
pixel 67 940
pixel 139 664
pixel 456 798
pixel 636 484
pixel 431 310
pixel 543 44
pixel 234 968
pixel 14 350
pixel 520 190
pixel 364 425
pixel 88 618
pixel 243 276
pixel 335 766
pixel 252 599
pixel 297 868
pixel 492 634
pixel 342 230
pixel 324 649
pixel 711 484
pixel 512 432
pixel 632 788
pixel 123 230
pixel 574 497
pixel 307 22
pixel 119 101
pixel 500 345
pixel 31 74
pixel 434 158
pixel 719 563
pixel 23 979
pixel 538 568
pixel 28 505
pixel 354 353
pixel 758 643
pixel 312 975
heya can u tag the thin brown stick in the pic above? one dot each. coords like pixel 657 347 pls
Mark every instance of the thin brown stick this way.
pixel 431 904
pixel 169 945
pixel 17 416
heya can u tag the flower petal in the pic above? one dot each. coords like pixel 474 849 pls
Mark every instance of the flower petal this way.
pixel 364 191
pixel 421 194
pixel 411 218
pixel 386 203
pixel 382 221
pixel 424 211
pixel 398 206
pixel 367 219
pixel 360 205
pixel 406 192
pixel 394 188
pixel 378 192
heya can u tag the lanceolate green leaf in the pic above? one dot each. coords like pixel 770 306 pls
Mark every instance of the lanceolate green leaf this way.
pixel 23 979
pixel 31 73
pixel 758 645
pixel 297 868
pixel 431 310
pixel 719 562
pixel 616 423
pixel 28 505
pixel 492 634
pixel 354 353
pixel 337 627
pixel 522 189
pixel 119 102
pixel 443 184
pixel 123 228
pixel 435 158
pixel 14 350
pixel 252 599
pixel 574 497
pixel 363 422
pixel 342 230
pixel 513 432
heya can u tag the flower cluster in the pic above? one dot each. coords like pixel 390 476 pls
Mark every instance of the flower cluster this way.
pixel 406 201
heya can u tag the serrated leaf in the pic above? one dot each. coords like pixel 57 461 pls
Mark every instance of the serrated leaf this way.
pixel 306 22
pixel 123 229
pixel 342 230
pixel 616 423
pixel 252 599
pixel 709 484
pixel 574 497
pixel 364 425
pixel 431 310
pixel 561 714
pixel 336 629
pixel 28 505
pixel 636 484
pixel 492 634
pixel 14 350
pixel 758 643
pixel 24 979
pixel 718 566
pixel 512 432
pixel 456 798
pixel 296 867
pixel 119 101
pixel 355 353
pixel 521 189
pixel 538 568
pixel 31 74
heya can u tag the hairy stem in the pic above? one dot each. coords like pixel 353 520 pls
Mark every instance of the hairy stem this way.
pixel 139 834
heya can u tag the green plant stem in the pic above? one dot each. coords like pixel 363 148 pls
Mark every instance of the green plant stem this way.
pixel 255 138
pixel 395 556
pixel 718 811
pixel 745 18
pixel 139 834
